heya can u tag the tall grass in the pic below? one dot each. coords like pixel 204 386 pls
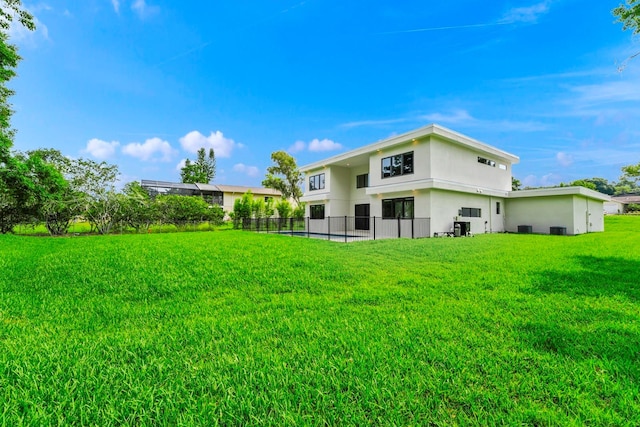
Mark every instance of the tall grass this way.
pixel 239 328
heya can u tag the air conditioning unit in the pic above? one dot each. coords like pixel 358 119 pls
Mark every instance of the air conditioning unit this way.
pixel 525 229
pixel 558 231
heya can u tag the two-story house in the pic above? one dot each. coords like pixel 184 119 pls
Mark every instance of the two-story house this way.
pixel 450 179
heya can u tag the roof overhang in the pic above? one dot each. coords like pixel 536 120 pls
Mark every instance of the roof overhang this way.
pixel 560 191
pixel 361 155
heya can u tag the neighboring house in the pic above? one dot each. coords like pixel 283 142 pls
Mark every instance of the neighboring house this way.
pixel 223 195
pixel 620 204
pixel 450 179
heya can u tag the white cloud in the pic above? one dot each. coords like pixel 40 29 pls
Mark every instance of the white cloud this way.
pixel 463 118
pixel 181 164
pixel 350 125
pixel 19 34
pixel 116 5
pixel 101 149
pixel 153 149
pixel 529 14
pixel 194 140
pixel 324 145
pixel 455 117
pixel 297 147
pixel 564 159
pixel 251 171
pixel 548 180
pixel 143 9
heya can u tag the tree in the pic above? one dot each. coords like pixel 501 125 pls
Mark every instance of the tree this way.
pixel 203 170
pixel 137 209
pixel 15 174
pixel 284 176
pixel 629 16
pixel 631 172
pixel 28 184
pixel 515 184
pixel 583 183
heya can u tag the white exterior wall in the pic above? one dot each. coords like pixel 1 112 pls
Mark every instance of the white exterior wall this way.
pixel 445 206
pixel 578 214
pixel 358 196
pixel 588 215
pixel 452 162
pixel 340 187
pixel 421 164
pixel 613 208
pixel 541 213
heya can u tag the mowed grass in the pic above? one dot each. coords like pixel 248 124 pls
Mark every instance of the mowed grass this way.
pixel 238 328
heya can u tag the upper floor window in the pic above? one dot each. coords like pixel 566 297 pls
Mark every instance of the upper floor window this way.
pixel 486 161
pixel 316 182
pixel 400 164
pixel 362 180
pixel 470 212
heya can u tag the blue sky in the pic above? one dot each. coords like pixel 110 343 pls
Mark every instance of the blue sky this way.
pixel 144 83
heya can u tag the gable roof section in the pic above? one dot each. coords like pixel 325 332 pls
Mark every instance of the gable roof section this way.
pixel 361 155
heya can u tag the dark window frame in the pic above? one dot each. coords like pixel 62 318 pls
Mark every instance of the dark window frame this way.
pixel 470 212
pixel 498 208
pixel 362 180
pixel 400 207
pixel 316 211
pixel 316 182
pixel 397 165
pixel 487 162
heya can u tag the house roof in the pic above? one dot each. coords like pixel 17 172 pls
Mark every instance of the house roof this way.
pixel 560 191
pixel 254 190
pixel 361 155
pixel 627 198
pixel 210 187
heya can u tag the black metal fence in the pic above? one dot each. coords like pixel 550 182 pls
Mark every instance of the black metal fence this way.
pixel 343 228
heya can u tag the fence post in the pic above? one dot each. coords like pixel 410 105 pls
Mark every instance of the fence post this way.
pixel 399 227
pixel 345 229
pixel 308 225
pixel 291 225
pixel 374 228
pixel 412 221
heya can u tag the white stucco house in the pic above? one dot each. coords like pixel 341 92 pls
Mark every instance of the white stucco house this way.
pixel 450 179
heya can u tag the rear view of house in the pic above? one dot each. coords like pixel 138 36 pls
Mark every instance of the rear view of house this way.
pixel 440 182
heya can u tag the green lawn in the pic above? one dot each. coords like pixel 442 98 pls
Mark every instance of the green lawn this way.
pixel 239 328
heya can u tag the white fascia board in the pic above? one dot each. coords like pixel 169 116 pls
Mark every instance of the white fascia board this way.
pixel 432 129
pixel 315 197
pixel 560 191
pixel 434 184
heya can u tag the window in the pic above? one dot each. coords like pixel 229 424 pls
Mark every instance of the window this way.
pixel 267 198
pixel 470 212
pixel 317 211
pixel 397 208
pixel 362 180
pixel 497 208
pixel 400 164
pixel 486 161
pixel 316 182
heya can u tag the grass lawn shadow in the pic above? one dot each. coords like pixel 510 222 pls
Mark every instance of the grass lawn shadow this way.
pixel 594 277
